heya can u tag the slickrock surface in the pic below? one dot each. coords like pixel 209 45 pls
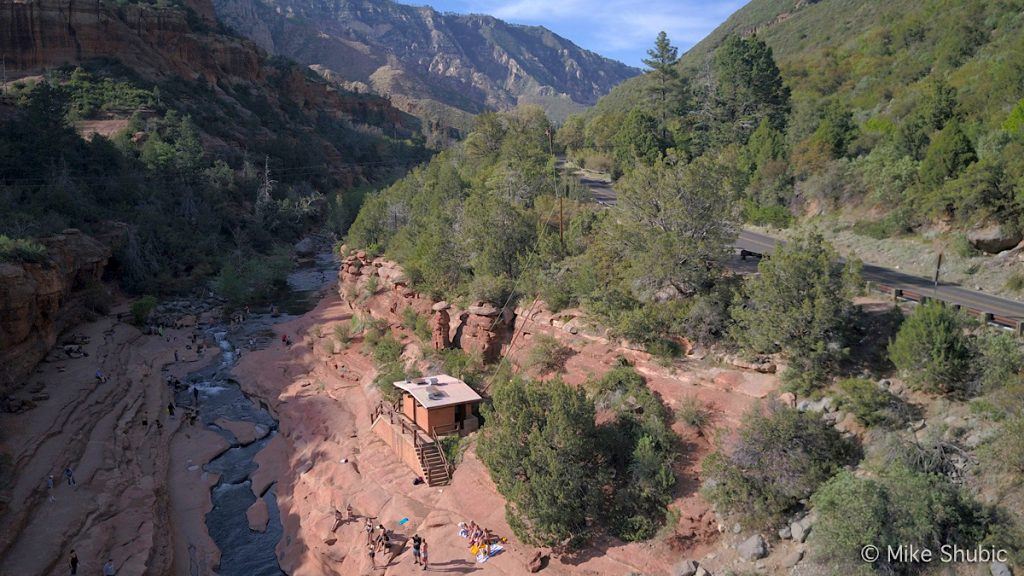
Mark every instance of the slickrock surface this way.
pixel 326 457
pixel 135 499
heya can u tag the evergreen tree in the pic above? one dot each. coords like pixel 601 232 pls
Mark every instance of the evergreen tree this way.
pixel 799 305
pixel 932 351
pixel 663 60
pixel 539 445
pixel 948 154
pixel 749 88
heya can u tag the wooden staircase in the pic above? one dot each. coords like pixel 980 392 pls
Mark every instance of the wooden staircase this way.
pixel 434 464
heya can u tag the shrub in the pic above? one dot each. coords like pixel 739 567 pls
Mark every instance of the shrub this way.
pixel 142 308
pixel 871 405
pixel 799 305
pixel 1015 283
pixel 416 323
pixel 21 250
pixel 640 448
pixel 931 350
pixel 543 431
pixel 387 350
pixel 1001 360
pixel 780 457
pixel 548 354
pixel 901 507
pixel 694 413
pixel 1005 453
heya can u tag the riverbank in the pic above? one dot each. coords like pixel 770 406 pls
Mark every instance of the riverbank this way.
pixel 133 488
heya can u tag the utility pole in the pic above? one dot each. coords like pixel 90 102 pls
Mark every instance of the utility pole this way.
pixel 938 267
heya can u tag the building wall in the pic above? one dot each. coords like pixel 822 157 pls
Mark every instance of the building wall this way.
pixel 401 444
pixel 440 418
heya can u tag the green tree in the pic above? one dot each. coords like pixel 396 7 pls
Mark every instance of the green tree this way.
pixel 949 153
pixel 674 225
pixel 749 87
pixel 637 141
pixel 836 129
pixel 899 507
pixel 667 87
pixel 931 350
pixel 780 457
pixel 799 304
pixel 1014 123
pixel 539 445
pixel 1002 360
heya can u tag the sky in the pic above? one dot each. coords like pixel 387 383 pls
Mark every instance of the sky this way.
pixel 619 29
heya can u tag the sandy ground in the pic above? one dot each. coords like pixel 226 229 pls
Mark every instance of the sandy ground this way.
pixel 134 501
pixel 325 456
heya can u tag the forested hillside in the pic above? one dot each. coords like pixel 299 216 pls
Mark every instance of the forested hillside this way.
pixel 899 116
pixel 209 150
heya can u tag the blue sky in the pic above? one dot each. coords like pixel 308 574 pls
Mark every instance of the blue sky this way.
pixel 620 29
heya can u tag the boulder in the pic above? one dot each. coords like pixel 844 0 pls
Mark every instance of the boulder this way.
pixel 753 548
pixel 305 247
pixel 785 533
pixel 442 305
pixel 537 562
pixel 999 569
pixel 800 529
pixel 258 515
pixel 686 568
pixel 994 238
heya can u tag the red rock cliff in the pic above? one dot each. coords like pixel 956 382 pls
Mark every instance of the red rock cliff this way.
pixel 34 298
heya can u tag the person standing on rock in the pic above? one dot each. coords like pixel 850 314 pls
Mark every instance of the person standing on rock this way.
pixel 70 475
pixel 417 542
pixel 108 568
pixel 170 409
pixel 372 550
pixel 423 554
pixel 73 561
pixel 49 487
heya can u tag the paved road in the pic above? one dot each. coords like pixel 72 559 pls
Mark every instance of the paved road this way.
pixel 1005 312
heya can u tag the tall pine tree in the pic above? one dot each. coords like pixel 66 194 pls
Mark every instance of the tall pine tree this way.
pixel 667 88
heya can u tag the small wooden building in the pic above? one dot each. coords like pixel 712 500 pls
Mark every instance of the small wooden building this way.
pixel 440 404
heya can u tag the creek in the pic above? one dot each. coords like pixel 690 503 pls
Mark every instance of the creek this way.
pixel 245 552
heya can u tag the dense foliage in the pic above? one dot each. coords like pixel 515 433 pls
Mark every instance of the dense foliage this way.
pixel 899 507
pixel 908 109
pixel 932 350
pixel 780 457
pixel 189 207
pixel 563 476
pixel 800 305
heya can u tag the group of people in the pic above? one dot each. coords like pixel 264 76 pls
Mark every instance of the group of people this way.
pixel 481 540
pixel 108 567
pixel 379 540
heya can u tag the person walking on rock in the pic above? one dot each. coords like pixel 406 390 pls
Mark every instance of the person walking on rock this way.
pixel 108 568
pixel 423 554
pixel 73 561
pixel 49 487
pixel 70 475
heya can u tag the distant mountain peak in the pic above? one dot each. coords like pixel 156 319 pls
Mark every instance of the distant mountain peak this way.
pixel 441 66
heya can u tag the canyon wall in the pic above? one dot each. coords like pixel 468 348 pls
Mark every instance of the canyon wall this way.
pixel 36 299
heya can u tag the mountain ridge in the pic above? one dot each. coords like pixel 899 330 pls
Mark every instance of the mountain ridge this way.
pixel 440 65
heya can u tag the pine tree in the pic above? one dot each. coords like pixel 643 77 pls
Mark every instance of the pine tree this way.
pixel 663 60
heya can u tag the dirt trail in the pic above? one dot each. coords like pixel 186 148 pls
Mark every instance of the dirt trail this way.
pixel 115 435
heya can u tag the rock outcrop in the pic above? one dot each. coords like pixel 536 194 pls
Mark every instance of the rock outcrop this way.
pixel 440 326
pixel 34 299
pixel 994 238
pixel 483 330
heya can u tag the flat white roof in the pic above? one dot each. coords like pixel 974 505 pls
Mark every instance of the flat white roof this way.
pixel 438 391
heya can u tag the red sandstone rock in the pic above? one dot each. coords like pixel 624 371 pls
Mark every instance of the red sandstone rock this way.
pixel 439 330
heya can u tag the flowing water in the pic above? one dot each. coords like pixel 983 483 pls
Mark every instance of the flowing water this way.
pixel 245 552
